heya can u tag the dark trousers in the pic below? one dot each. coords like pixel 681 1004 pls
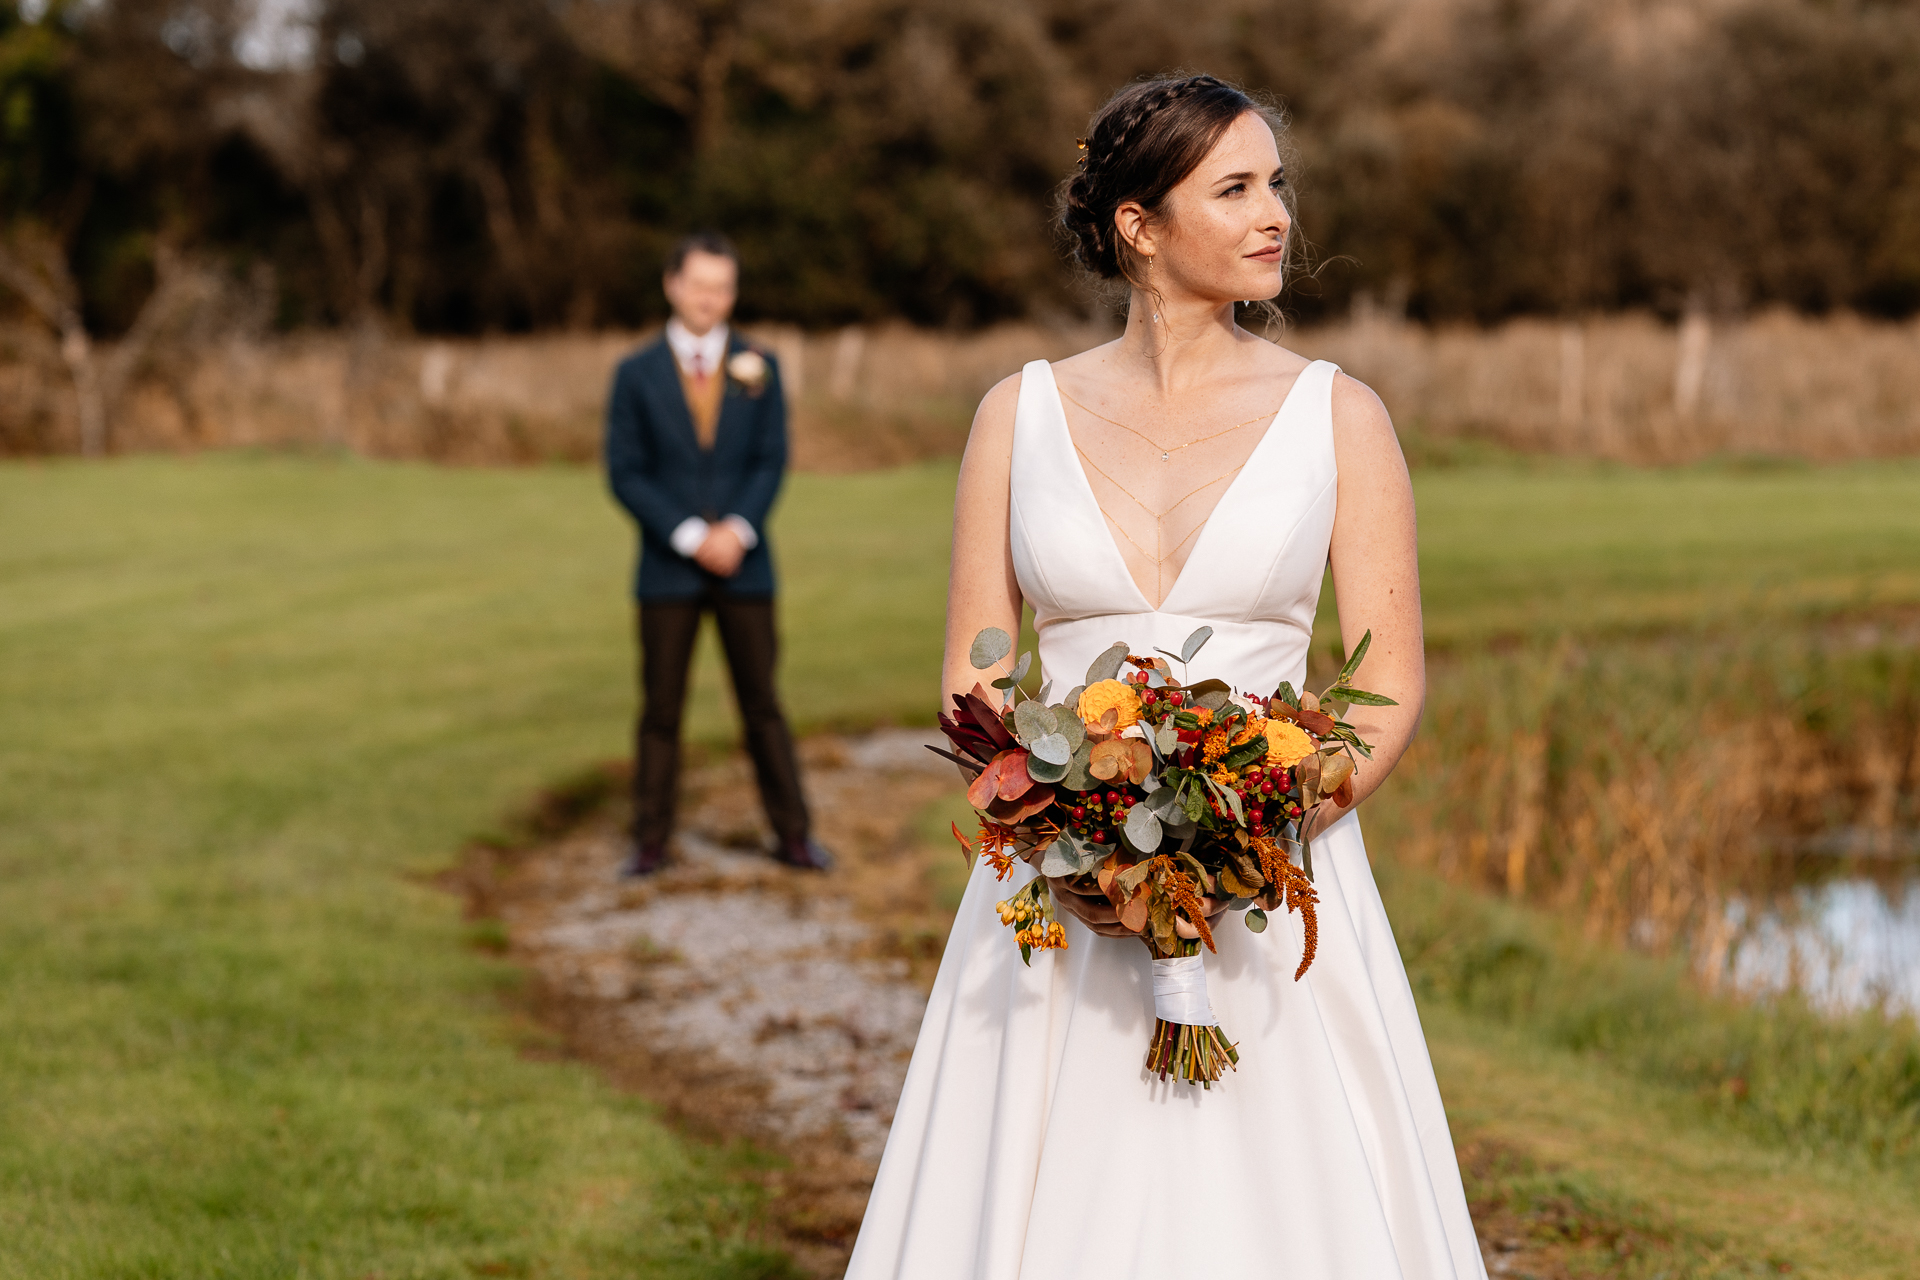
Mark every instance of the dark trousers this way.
pixel 668 629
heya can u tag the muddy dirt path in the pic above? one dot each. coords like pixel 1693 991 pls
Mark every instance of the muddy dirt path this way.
pixel 751 1000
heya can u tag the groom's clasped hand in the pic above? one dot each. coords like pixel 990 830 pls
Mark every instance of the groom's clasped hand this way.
pixel 721 553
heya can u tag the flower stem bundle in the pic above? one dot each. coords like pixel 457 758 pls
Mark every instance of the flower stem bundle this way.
pixel 1197 1055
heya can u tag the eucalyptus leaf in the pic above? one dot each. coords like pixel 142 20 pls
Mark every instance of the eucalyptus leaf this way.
pixel 1168 653
pixel 1143 829
pixel 1195 643
pixel 1005 682
pixel 1091 855
pixel 1212 700
pixel 1052 748
pixel 1208 686
pixel 1041 697
pixel 1032 720
pixel 1256 920
pixel 1042 771
pixel 1286 694
pixel 1166 738
pixel 1071 856
pixel 1067 725
pixel 1025 665
pixel 1156 678
pixel 1162 800
pixel 1072 701
pixel 1106 666
pixel 1078 779
pixel 989 647
pixel 1057 860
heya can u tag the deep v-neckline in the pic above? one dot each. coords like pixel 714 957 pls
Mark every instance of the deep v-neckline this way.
pixel 1206 526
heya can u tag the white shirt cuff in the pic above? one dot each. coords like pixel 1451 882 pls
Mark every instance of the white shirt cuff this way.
pixel 742 530
pixel 688 535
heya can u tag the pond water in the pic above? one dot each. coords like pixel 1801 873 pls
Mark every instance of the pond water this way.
pixel 1848 942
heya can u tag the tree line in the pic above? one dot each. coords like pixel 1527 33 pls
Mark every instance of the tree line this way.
pixel 443 166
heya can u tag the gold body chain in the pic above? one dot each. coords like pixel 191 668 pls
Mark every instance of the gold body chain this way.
pixel 1159 557
pixel 1166 451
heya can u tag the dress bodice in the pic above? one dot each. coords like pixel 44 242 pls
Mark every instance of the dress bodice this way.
pixel 1254 573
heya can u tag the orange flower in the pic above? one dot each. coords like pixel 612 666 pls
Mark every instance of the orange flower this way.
pixel 1109 695
pixel 1043 936
pixel 1224 776
pixel 1203 714
pixel 1287 743
pixel 1253 729
pixel 1215 746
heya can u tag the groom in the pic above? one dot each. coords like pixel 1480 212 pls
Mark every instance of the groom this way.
pixel 696 448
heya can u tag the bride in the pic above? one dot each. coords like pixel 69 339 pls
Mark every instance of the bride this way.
pixel 1186 474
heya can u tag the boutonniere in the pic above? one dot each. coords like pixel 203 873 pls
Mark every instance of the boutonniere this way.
pixel 749 369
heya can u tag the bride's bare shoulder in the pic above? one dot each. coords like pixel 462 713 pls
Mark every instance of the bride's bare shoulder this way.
pixel 1362 429
pixel 993 420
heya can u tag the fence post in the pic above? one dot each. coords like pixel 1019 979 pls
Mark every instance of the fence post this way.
pixel 1690 371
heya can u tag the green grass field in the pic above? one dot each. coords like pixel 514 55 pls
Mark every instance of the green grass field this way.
pixel 248 703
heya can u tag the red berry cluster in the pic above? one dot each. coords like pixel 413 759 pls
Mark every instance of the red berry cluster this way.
pixel 1264 793
pixel 1097 815
pixel 1153 697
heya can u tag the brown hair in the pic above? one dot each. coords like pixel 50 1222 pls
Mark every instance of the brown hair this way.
pixel 1141 145
pixel 711 242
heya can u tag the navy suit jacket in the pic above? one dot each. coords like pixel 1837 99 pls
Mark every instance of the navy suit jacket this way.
pixel 661 475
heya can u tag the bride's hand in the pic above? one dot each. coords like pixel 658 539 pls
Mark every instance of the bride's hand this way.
pixel 1094 911
pixel 1090 909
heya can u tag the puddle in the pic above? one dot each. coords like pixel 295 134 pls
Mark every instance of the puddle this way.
pixel 1849 942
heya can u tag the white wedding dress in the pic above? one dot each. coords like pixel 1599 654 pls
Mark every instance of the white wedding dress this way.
pixel 1029 1141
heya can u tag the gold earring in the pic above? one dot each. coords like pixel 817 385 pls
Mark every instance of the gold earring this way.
pixel 1156 315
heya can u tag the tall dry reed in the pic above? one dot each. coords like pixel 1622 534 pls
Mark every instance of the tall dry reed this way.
pixel 1634 389
pixel 1625 387
pixel 861 398
pixel 1638 788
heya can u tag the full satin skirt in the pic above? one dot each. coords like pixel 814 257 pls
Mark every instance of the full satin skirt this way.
pixel 1031 1142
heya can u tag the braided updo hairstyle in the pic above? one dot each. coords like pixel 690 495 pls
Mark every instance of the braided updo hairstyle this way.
pixel 1142 145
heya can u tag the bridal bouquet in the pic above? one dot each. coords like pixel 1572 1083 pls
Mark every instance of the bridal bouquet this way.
pixel 1157 793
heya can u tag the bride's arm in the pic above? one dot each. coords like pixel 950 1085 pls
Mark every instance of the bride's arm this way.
pixel 981 589
pixel 1376 580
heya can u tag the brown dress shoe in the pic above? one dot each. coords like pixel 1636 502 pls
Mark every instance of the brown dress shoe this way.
pixel 642 860
pixel 804 853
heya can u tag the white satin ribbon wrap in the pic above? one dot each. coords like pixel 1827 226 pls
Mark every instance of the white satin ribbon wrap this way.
pixel 1180 992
